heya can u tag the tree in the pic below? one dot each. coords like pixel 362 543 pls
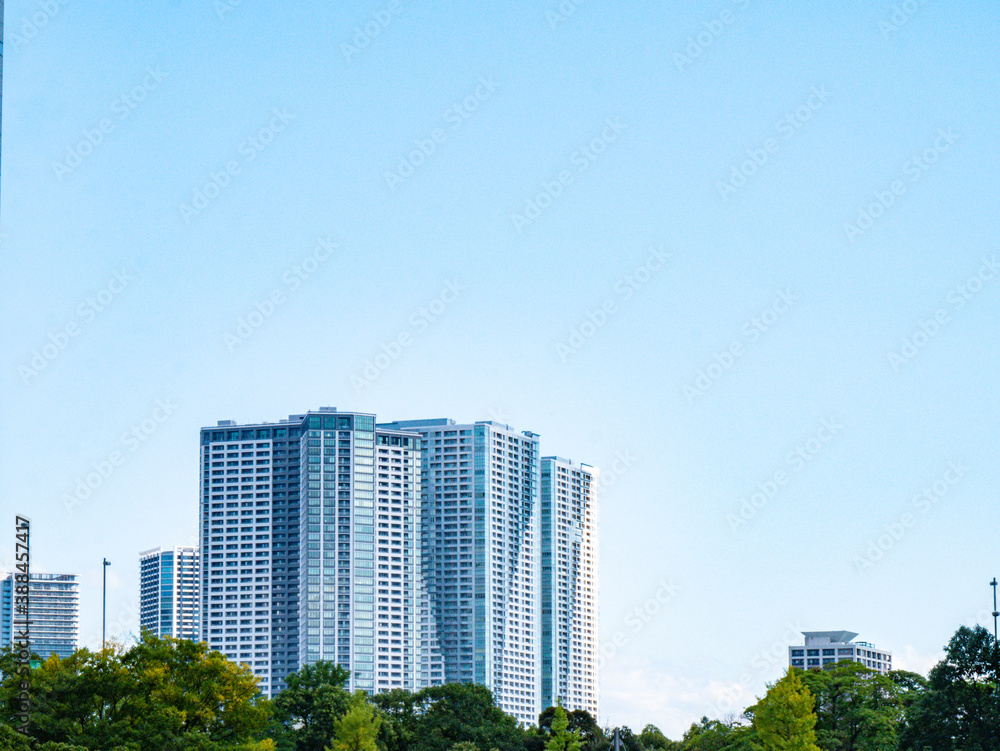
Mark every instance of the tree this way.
pixel 307 710
pixel 581 722
pixel 959 706
pixel 713 735
pixel 456 712
pixel 653 739
pixel 398 718
pixel 857 709
pixel 560 737
pixel 11 740
pixel 162 693
pixel 358 728
pixel 784 719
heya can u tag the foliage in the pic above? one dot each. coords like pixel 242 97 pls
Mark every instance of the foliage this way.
pixel 581 722
pixel 653 739
pixel 560 737
pixel 162 693
pixel 713 735
pixel 358 728
pixel 857 709
pixel 784 719
pixel 958 708
pixel 11 740
pixel 438 717
pixel 307 710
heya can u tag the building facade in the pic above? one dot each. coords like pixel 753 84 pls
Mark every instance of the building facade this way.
pixel 310 547
pixel 480 551
pixel 248 538
pixel 824 648
pixel 409 552
pixel 569 585
pixel 168 592
pixel 54 611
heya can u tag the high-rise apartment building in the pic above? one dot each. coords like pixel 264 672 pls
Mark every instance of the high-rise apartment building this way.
pixel 53 609
pixel 168 591
pixel 310 540
pixel 480 552
pixel 569 584
pixel 248 539
pixel 409 552
pixel 359 566
pixel 824 648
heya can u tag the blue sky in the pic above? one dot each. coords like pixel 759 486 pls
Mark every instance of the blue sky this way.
pixel 739 247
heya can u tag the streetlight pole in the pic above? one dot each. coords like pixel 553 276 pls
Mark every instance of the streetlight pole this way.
pixel 995 612
pixel 104 605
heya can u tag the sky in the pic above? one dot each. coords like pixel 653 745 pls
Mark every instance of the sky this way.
pixel 741 256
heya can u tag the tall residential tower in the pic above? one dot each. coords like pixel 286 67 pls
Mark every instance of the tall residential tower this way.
pixel 569 585
pixel 310 533
pixel 480 548
pixel 54 610
pixel 168 591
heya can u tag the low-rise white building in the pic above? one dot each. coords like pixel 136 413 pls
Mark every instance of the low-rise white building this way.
pixel 823 648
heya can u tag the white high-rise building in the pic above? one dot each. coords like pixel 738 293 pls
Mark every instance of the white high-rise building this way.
pixel 569 584
pixel 310 533
pixel 481 551
pixel 168 591
pixel 53 612
pixel 824 648
pixel 359 566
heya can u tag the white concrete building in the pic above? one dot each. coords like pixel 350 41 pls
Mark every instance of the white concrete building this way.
pixel 823 648
pixel 481 553
pixel 569 585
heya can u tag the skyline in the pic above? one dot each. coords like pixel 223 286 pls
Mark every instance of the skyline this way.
pixel 740 257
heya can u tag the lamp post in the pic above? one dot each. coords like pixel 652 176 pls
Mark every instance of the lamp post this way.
pixel 104 605
pixel 995 612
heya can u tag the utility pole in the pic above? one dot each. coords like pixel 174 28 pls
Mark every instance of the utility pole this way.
pixel 104 606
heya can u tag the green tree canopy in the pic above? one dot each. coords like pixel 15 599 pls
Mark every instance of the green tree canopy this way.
pixel 959 708
pixel 358 728
pixel 307 710
pixel 162 693
pixel 784 719
pixel 561 738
